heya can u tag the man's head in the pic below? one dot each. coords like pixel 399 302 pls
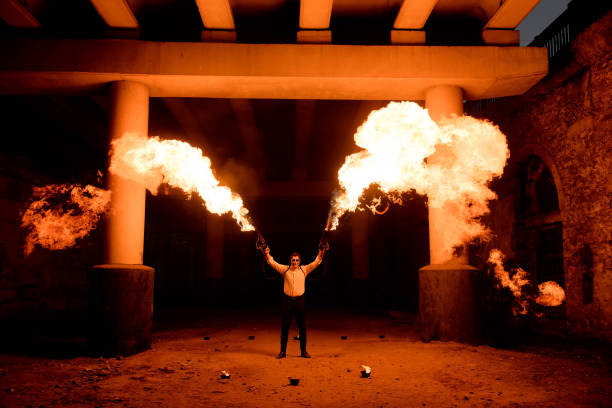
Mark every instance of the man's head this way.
pixel 295 259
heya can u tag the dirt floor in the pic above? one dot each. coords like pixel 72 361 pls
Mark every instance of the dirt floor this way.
pixel 183 369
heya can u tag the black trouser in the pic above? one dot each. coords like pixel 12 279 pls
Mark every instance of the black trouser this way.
pixel 290 306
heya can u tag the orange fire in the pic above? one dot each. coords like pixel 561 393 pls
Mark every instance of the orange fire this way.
pixel 550 293
pixel 60 214
pixel 153 161
pixel 405 150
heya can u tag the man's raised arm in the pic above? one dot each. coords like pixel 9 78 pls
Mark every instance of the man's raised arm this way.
pixel 312 266
pixel 280 268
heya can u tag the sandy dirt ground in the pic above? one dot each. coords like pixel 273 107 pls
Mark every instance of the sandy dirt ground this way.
pixel 183 369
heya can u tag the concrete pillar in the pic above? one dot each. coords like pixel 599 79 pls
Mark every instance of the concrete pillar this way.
pixel 360 256
pixel 214 246
pixel 442 101
pixel 120 309
pixel 304 118
pixel 448 287
pixel 129 114
pixel 214 257
pixel 121 291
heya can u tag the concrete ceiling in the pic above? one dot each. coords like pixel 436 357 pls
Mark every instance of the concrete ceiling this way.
pixel 297 146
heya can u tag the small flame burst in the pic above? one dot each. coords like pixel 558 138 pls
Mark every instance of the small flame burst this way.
pixel 405 150
pixel 153 161
pixel 60 214
pixel 550 293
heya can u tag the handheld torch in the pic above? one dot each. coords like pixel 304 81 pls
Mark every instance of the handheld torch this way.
pixel 261 244
pixel 323 244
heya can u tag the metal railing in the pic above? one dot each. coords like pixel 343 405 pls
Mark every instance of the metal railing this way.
pixel 558 36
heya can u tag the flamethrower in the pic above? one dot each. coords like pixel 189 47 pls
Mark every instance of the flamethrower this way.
pixel 261 244
pixel 323 244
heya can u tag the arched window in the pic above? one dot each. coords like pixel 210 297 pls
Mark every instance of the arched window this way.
pixel 539 229
pixel 538 191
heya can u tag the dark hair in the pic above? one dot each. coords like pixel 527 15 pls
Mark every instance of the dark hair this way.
pixel 295 254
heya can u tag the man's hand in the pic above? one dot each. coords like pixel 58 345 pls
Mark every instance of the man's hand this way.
pixel 323 245
pixel 260 244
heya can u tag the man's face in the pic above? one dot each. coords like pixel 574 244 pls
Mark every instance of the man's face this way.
pixel 295 261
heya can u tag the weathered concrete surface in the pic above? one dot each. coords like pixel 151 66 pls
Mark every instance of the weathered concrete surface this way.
pixel 448 303
pixel 121 308
pixel 274 71
pixel 566 121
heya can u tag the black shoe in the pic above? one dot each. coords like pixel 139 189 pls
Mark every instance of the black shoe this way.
pixel 305 354
pixel 282 354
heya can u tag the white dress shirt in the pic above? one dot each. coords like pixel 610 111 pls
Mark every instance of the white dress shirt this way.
pixel 295 278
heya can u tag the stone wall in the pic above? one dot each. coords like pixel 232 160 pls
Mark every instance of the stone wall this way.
pixel 46 284
pixel 566 120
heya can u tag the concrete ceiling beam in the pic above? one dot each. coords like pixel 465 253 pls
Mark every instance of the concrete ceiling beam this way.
pixel 315 14
pixel 269 71
pixel 16 15
pixel 116 13
pixel 413 14
pixel 216 14
pixel 510 14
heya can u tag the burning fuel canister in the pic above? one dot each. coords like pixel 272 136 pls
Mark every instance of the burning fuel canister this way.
pixel 121 309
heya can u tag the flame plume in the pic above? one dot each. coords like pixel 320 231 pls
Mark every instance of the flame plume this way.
pixel 60 214
pixel 405 150
pixel 550 293
pixel 153 161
